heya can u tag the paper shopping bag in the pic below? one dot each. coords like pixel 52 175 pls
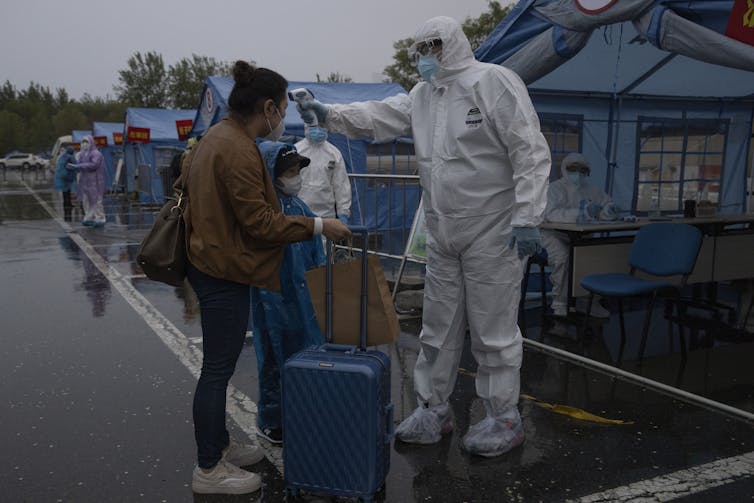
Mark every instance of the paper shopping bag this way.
pixel 382 322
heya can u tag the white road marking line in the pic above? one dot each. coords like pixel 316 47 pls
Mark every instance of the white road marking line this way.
pixel 240 407
pixel 679 484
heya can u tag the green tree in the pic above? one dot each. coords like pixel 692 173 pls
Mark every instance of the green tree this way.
pixel 143 83
pixel 476 30
pixel 335 77
pixel 69 118
pixel 12 131
pixel 186 79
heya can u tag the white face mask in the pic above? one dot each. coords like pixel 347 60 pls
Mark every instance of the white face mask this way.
pixel 277 132
pixel 290 186
pixel 84 146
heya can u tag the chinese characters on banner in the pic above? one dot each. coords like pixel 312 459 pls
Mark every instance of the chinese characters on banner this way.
pixel 118 138
pixel 100 141
pixel 741 22
pixel 137 134
pixel 184 128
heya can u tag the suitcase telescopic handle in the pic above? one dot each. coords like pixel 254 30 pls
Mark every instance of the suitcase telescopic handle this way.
pixel 355 229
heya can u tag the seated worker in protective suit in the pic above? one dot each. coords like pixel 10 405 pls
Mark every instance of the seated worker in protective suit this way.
pixel 483 166
pixel 326 188
pixel 284 321
pixel 570 199
pixel 91 167
pixel 65 179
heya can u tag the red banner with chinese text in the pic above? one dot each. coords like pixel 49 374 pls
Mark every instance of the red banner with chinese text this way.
pixel 184 128
pixel 100 141
pixel 118 138
pixel 137 134
pixel 741 22
pixel 76 146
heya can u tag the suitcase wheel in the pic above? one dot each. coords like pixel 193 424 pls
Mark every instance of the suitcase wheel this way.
pixel 291 493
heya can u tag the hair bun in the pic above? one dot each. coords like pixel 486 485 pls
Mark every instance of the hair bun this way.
pixel 243 72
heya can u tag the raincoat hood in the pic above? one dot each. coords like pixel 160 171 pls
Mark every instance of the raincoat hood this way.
pixel 456 49
pixel 90 139
pixel 270 151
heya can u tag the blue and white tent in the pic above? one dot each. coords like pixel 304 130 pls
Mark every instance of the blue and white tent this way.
pixel 112 152
pixel 661 100
pixel 78 134
pixel 147 163
pixel 370 203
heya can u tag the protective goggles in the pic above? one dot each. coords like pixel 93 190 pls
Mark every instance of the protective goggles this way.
pixel 423 48
pixel 578 168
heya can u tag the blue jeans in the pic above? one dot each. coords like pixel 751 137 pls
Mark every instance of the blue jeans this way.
pixel 225 314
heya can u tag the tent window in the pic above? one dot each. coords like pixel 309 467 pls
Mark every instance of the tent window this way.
pixel 679 159
pixel 163 158
pixel 392 158
pixel 564 134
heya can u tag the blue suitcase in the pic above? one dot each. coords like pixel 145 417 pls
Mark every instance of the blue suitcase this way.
pixel 337 413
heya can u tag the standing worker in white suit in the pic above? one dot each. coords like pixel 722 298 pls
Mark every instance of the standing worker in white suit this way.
pixel 325 185
pixel 483 165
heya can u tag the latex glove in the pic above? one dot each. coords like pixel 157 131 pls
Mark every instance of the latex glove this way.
pixel 594 210
pixel 611 211
pixel 311 109
pixel 73 167
pixel 343 219
pixel 528 240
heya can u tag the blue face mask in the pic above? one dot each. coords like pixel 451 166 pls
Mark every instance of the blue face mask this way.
pixel 428 66
pixel 576 178
pixel 317 135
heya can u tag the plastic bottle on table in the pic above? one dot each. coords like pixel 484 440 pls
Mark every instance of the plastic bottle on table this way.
pixel 582 218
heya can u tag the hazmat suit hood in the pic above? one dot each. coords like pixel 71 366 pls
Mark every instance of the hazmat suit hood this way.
pixel 456 49
pixel 572 158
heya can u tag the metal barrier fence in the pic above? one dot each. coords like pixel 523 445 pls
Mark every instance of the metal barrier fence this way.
pixel 386 206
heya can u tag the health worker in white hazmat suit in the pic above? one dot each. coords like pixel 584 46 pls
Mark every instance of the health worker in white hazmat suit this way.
pixel 483 165
pixel 569 200
pixel 326 188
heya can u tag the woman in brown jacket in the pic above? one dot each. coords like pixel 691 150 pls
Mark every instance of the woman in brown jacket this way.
pixel 235 234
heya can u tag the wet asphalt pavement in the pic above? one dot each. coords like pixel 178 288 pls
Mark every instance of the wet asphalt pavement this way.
pixel 99 368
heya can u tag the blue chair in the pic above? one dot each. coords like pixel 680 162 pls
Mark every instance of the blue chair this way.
pixel 659 249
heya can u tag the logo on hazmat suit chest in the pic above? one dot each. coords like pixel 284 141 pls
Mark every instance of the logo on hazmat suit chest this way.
pixel 473 118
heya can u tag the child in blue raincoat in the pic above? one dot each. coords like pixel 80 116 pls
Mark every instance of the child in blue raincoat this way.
pixel 65 179
pixel 284 321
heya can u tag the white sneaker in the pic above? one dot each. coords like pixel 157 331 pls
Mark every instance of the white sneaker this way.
pixel 225 478
pixel 242 454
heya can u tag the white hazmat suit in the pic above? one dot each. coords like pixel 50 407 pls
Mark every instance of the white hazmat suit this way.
pixel 483 165
pixel 325 187
pixel 563 201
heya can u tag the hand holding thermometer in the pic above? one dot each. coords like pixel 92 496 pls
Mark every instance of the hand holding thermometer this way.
pixel 302 95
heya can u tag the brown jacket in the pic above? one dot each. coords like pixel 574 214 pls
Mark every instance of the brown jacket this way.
pixel 235 229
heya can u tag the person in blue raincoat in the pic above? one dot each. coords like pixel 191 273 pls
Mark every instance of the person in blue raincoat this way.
pixel 284 321
pixel 65 179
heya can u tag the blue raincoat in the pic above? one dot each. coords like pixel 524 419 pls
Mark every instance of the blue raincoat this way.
pixel 65 179
pixel 284 321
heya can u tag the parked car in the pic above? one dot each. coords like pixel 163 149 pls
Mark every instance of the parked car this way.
pixel 21 160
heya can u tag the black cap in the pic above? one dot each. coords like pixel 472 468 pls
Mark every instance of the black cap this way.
pixel 288 157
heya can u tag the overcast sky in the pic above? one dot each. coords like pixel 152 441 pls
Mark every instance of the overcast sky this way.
pixel 80 45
